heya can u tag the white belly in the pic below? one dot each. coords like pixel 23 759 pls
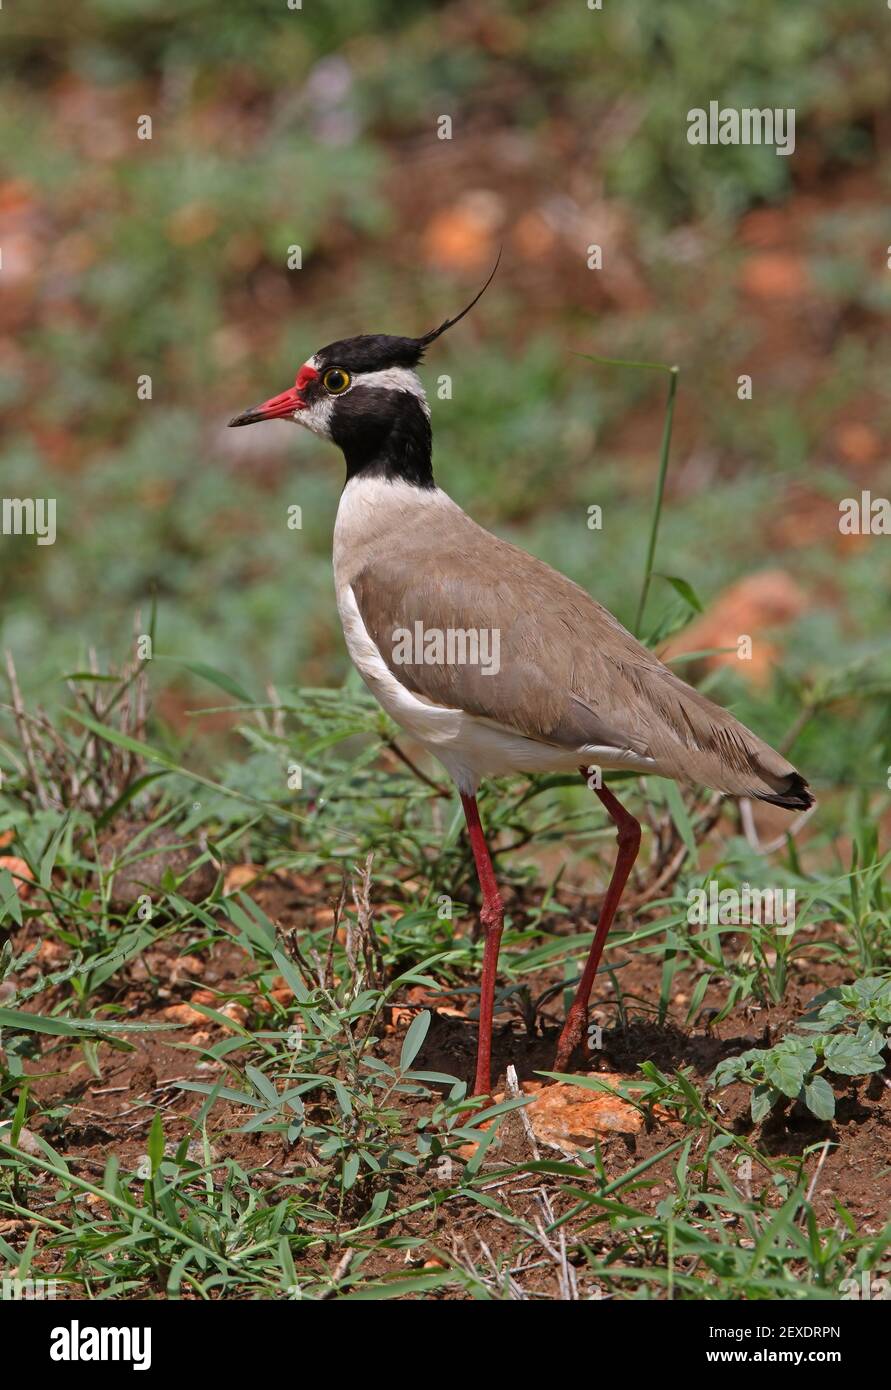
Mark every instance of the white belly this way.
pixel 468 747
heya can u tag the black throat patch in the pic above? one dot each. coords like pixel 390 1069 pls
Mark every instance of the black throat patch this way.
pixel 384 434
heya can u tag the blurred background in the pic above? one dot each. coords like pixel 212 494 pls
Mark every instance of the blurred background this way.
pixel 317 127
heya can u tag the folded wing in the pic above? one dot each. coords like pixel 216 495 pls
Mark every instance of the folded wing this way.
pixel 532 652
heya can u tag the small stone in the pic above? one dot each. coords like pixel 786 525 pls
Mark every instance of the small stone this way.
pixel 21 874
pixel 237 1012
pixel 26 1142
pixel 183 1014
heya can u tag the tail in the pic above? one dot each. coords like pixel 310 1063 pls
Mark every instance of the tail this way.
pixel 795 795
pixel 699 741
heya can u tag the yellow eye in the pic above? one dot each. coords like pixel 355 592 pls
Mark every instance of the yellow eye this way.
pixel 335 380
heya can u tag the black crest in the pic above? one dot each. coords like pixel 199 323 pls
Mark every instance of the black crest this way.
pixel 372 352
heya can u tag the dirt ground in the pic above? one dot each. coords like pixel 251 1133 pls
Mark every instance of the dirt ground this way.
pixel 112 1115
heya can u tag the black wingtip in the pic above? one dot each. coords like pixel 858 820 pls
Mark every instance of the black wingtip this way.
pixel 435 333
pixel 796 795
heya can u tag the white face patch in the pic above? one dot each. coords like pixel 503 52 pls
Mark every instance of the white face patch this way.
pixel 317 417
pixel 394 379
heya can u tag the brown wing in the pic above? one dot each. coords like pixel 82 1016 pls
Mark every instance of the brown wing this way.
pixel 567 672
pixel 524 674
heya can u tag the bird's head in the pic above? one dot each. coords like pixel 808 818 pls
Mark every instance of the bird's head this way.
pixel 365 395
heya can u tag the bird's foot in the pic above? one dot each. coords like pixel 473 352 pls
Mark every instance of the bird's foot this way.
pixel 570 1038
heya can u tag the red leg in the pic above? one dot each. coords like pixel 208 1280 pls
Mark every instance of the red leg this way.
pixel 492 917
pixel 629 844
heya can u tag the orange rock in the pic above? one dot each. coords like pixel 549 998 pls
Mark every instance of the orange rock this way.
pixel 183 1014
pixel 758 602
pixel 16 196
pixel 51 953
pixel 462 237
pixel 422 995
pixel 239 876
pixel 183 967
pixel 20 871
pixel 775 275
pixel 566 1116
pixel 572 1117
pixel 237 1012
pixel 857 442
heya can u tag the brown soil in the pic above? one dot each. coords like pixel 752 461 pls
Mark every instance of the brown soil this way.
pixel 113 1114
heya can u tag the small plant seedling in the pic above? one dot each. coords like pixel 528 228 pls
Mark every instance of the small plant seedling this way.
pixel 845 1039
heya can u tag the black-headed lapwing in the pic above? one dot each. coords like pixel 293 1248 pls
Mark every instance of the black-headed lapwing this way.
pixel 492 660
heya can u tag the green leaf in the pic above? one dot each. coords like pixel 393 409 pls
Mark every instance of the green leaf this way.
pixel 217 678
pixel 291 976
pixel 47 863
pixel 698 995
pixel 785 1071
pixel 18 1120
pixel 819 1098
pixel 155 1147
pixel 245 914
pixel 848 1056
pixel 728 1070
pixel 681 586
pixel 9 898
pixel 74 1027
pixel 764 1098
pixel 681 817
pixel 263 1085
pixel 414 1040
pixel 343 1097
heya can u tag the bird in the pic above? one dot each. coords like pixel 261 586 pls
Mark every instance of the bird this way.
pixel 493 661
